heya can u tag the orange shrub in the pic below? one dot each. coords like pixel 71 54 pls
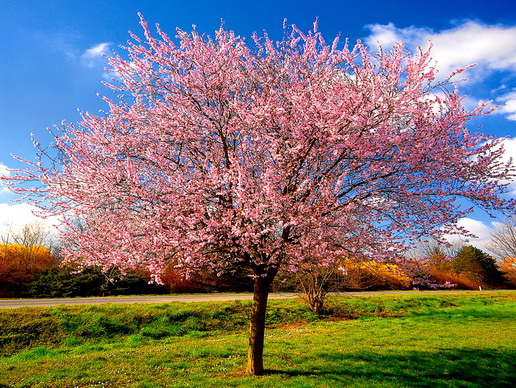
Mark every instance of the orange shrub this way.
pixel 508 267
pixel 462 281
pixel 19 264
pixel 374 275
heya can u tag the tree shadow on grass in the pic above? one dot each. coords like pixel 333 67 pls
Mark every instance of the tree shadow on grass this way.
pixel 444 368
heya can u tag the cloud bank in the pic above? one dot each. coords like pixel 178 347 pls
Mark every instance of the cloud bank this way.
pixel 508 105
pixel 490 47
pixel 16 215
pixel 478 228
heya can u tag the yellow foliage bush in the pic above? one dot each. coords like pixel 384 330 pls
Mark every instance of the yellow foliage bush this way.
pixel 374 275
pixel 19 263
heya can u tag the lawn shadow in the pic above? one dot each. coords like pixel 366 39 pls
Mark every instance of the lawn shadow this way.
pixel 445 368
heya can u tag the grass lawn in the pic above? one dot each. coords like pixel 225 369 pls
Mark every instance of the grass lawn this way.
pixel 387 341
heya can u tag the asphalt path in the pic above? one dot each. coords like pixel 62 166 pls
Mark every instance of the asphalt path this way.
pixel 18 303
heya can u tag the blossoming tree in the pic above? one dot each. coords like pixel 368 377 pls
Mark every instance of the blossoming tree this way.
pixel 220 154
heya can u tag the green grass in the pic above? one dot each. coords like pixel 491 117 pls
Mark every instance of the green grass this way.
pixel 388 341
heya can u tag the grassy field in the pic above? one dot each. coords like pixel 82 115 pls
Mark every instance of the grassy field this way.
pixel 388 341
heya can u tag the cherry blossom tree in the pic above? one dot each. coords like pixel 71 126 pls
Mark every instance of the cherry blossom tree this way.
pixel 219 153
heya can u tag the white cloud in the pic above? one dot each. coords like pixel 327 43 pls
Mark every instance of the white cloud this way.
pixel 478 228
pixel 3 172
pixel 388 34
pixel 509 145
pixel 94 56
pixel 508 105
pixel 491 47
pixel 17 215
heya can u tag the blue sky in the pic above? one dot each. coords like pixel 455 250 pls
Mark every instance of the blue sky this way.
pixel 51 63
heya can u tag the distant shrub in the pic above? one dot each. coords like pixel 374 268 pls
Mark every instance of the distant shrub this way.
pixel 19 264
pixel 67 282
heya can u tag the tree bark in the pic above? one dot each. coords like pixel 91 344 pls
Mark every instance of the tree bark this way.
pixel 257 324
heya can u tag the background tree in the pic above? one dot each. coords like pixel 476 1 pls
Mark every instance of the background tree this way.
pixel 33 238
pixel 434 251
pixel 477 265
pixel 503 240
pixel 315 282
pixel 264 155
pixel 22 254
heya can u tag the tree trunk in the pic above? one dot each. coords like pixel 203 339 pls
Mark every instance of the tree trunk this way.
pixel 257 325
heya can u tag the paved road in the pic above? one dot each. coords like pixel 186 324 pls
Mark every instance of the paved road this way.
pixel 17 303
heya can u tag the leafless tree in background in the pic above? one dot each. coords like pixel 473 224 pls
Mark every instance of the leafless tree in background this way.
pixel 33 237
pixel 503 239
pixel 430 248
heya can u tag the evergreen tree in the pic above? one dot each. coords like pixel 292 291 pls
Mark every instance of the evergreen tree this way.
pixel 478 265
